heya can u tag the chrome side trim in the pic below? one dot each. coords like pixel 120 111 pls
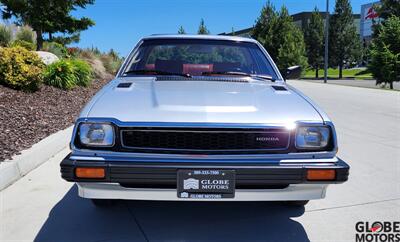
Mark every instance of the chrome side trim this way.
pixel 87 158
pixel 124 124
pixel 202 131
pixel 128 155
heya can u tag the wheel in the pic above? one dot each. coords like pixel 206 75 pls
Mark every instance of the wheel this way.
pixel 103 202
pixel 297 203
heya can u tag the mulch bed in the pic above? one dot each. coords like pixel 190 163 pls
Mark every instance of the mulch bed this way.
pixel 27 118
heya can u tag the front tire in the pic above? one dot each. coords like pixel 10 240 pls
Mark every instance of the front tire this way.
pixel 103 202
pixel 298 203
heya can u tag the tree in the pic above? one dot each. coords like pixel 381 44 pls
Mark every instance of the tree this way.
pixel 385 52
pixel 344 41
pixel 292 50
pixel 202 28
pixel 385 9
pixel 265 29
pixel 67 39
pixel 181 30
pixel 283 40
pixel 388 8
pixel 50 16
pixel 314 39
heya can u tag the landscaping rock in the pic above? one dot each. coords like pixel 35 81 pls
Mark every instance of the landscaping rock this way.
pixel 47 57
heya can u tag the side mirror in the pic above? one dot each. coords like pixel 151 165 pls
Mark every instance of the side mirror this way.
pixel 293 72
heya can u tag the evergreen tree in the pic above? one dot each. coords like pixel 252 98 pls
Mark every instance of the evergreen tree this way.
pixel 292 50
pixel 50 16
pixel 265 29
pixel 385 9
pixel 202 28
pixel 344 41
pixel 385 52
pixel 181 30
pixel 314 39
pixel 388 8
pixel 283 40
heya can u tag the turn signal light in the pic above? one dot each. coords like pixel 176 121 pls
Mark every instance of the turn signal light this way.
pixel 321 175
pixel 82 172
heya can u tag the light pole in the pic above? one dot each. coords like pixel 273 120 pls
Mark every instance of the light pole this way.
pixel 326 42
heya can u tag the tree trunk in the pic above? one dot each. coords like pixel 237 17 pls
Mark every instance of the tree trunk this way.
pixel 39 40
pixel 316 72
pixel 391 85
pixel 340 71
pixel 50 36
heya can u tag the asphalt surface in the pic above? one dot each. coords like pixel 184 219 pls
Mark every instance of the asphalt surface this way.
pixel 43 207
pixel 356 83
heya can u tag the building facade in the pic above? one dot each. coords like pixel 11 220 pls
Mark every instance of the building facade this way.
pixel 300 19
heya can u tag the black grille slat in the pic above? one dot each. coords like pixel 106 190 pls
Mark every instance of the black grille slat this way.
pixel 205 140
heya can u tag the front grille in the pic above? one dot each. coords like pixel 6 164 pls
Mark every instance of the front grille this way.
pixel 205 140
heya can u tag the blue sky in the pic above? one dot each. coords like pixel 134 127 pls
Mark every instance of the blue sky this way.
pixel 121 23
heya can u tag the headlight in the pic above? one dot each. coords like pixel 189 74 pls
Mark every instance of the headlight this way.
pixel 312 137
pixel 96 134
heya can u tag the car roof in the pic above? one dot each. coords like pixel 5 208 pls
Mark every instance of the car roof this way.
pixel 207 37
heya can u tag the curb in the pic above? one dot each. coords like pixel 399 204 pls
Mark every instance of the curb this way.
pixel 20 165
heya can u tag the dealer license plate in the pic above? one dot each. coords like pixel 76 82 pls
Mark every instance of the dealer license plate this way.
pixel 206 184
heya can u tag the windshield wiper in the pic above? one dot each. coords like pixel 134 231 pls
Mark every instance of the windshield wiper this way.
pixel 238 73
pixel 157 72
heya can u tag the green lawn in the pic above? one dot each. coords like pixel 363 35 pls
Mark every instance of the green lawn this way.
pixel 334 73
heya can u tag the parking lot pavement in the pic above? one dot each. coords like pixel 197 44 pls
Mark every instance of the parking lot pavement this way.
pixel 354 83
pixel 43 207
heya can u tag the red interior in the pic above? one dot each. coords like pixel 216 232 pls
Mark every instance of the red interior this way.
pixel 192 69
pixel 150 66
pixel 197 69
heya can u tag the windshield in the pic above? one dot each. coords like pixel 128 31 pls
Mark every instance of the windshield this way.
pixel 194 57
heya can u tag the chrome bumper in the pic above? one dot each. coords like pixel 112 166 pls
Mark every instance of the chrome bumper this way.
pixel 156 180
pixel 115 191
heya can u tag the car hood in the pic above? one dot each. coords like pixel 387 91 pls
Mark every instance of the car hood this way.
pixel 200 101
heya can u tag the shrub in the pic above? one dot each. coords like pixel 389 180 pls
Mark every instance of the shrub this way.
pixel 20 69
pixel 385 52
pixel 98 68
pixel 112 65
pixel 73 51
pixel 83 72
pixel 112 61
pixel 58 49
pixel 67 74
pixel 87 54
pixel 103 65
pixel 97 65
pixel 24 44
pixel 5 35
pixel 26 34
pixel 61 74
